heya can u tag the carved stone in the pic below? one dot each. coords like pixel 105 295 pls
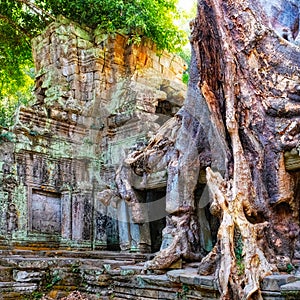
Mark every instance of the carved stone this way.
pixel 97 97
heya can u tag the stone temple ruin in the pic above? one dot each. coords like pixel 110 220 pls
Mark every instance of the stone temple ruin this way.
pixel 93 175
pixel 96 98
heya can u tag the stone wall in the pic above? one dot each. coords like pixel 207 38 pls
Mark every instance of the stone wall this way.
pixel 97 96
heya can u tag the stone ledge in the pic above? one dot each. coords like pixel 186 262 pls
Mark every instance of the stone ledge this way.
pixel 291 290
pixel 268 295
pixel 189 276
pixel 155 281
pixel 274 282
pixel 17 287
pixel 125 279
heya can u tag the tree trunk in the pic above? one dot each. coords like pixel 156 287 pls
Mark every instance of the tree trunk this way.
pixel 240 117
pixel 249 77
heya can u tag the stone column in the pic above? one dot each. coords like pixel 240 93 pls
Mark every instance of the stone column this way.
pixel 124 226
pixel 100 224
pixel 82 221
pixel 66 213
pixel 3 215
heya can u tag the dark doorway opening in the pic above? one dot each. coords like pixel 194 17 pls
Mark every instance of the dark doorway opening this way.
pixel 156 202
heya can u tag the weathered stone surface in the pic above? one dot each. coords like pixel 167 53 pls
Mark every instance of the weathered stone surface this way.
pixel 17 287
pixel 294 286
pixel 274 282
pixel 86 274
pixel 190 277
pixel 96 97
pixel 25 276
pixel 291 291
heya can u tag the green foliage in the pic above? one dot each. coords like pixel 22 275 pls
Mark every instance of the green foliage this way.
pixel 185 54
pixel 151 18
pixel 15 91
pixel 18 24
pixel 50 280
pixel 290 268
pixel 238 251
pixel 21 20
pixel 182 294
pixel 185 77
pixel 33 296
pixel 6 136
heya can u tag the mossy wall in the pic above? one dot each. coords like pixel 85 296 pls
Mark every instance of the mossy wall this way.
pixel 96 97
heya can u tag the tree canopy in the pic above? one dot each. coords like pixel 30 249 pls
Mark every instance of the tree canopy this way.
pixel 21 20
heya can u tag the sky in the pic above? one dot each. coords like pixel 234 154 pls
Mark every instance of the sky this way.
pixel 186 4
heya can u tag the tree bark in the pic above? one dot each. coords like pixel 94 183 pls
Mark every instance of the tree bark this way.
pixel 249 77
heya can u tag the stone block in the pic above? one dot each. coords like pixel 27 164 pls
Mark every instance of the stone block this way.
pixel 274 282
pixel 189 276
pixel 69 278
pixel 268 295
pixel 131 270
pixel 103 280
pixel 120 296
pixel 33 263
pixel 147 293
pixel 84 44
pixel 167 295
pixel 177 67
pixel 165 61
pixel 100 38
pixel 168 73
pixel 17 287
pixel 207 282
pixel 24 276
pixel 291 289
pixel 156 280
pixel 174 275
pixel 125 290
pixel 81 33
pixel 157 66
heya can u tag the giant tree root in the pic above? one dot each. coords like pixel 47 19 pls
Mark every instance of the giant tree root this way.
pixel 255 265
pixel 185 233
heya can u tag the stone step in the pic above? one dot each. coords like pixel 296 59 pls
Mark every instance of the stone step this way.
pixel 291 290
pixel 74 264
pixel 273 283
pixel 78 254
pixel 17 287
pixel 131 269
pixel 138 293
pixel 189 276
pixel 22 271
pixel 159 281
pixel 120 296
